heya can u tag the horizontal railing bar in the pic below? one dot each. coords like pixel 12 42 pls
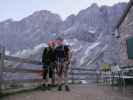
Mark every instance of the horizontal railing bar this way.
pixel 7 69
pixel 22 81
pixel 22 60
pixel 13 70
pixel 82 73
pixel 81 78
pixel 22 70
pixel 127 67
pixel 38 80
pixel 83 69
pixel 15 90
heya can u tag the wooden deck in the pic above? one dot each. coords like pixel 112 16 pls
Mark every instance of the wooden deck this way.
pixel 78 92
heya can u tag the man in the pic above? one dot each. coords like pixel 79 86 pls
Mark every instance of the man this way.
pixel 62 60
pixel 48 59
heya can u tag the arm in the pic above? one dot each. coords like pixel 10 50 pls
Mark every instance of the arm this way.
pixel 43 56
pixel 68 55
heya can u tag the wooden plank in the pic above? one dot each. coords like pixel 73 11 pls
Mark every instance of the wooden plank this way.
pixel 0 69
pixel 127 77
pixel 0 54
pixel 22 81
pixel 74 78
pixel 2 51
pixel 22 60
pixel 83 69
pixel 82 74
pixel 22 70
pixel 124 77
pixel 126 67
pixel 13 70
pixel 38 80
pixel 14 90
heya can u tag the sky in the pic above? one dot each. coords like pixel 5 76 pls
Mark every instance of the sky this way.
pixel 18 9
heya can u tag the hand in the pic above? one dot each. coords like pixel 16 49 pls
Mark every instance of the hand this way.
pixel 67 62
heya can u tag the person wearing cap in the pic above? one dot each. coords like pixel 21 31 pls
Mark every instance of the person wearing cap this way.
pixel 62 61
pixel 48 59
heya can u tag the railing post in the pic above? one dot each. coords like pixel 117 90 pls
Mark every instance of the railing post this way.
pixel 72 76
pixel 2 53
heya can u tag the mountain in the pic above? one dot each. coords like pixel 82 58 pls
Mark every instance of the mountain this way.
pixel 92 20
pixel 30 31
pixel 42 25
pixel 89 33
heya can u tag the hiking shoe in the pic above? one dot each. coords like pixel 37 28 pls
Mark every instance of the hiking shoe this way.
pixel 49 85
pixel 48 88
pixel 44 87
pixel 67 88
pixel 54 85
pixel 60 88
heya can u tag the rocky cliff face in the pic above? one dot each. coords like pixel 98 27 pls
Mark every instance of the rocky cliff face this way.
pixel 37 28
pixel 93 21
pixel 30 31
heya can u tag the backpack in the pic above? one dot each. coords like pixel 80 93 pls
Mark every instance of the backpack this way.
pixel 48 56
pixel 62 52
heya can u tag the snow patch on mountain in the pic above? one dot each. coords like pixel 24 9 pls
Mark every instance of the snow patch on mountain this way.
pixel 91 47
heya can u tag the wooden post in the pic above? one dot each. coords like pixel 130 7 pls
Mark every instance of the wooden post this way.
pixel 72 76
pixel 2 53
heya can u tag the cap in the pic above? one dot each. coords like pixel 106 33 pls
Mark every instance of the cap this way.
pixel 59 38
